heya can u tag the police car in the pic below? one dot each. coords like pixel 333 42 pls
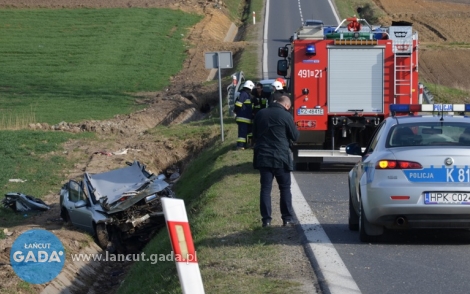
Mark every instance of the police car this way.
pixel 414 173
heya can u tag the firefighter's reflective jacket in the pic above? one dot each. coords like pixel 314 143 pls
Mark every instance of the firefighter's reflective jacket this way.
pixel 260 101
pixel 243 107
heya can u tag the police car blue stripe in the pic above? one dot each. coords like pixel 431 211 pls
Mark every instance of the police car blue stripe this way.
pixel 444 174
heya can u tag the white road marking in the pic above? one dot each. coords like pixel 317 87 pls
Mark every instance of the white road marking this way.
pixel 331 271
pixel 300 10
pixel 265 34
pixel 334 11
pixel 265 42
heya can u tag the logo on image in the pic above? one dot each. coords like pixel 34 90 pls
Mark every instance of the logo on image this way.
pixel 37 256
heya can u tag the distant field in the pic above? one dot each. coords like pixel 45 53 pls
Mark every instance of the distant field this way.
pixel 69 65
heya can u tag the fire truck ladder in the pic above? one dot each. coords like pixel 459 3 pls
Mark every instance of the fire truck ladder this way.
pixel 403 69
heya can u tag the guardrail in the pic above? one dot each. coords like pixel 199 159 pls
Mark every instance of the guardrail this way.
pixel 427 95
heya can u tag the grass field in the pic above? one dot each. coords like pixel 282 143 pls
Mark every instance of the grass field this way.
pixel 71 65
pixel 220 189
pixel 35 157
pixel 84 64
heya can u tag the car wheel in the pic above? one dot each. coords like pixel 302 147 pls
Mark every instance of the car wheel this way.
pixel 353 220
pixel 102 235
pixel 366 228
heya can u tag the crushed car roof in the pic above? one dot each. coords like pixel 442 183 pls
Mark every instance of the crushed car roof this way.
pixel 113 183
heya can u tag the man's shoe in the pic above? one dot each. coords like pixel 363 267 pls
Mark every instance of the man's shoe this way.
pixel 240 148
pixel 266 224
pixel 289 223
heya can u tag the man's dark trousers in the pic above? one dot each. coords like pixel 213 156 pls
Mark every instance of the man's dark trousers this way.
pixel 283 179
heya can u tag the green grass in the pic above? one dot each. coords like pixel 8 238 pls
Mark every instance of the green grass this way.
pixel 443 94
pixel 370 11
pixel 33 156
pixel 84 63
pixel 248 60
pixel 25 287
pixel 220 189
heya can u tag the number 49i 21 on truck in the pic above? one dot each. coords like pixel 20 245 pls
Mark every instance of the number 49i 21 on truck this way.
pixel 342 80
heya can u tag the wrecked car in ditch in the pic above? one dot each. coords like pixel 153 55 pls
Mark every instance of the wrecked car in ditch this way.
pixel 121 207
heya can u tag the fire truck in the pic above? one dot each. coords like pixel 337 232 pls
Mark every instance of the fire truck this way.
pixel 342 80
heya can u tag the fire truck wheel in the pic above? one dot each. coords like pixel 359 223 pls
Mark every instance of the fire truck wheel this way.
pixel 314 166
pixel 301 166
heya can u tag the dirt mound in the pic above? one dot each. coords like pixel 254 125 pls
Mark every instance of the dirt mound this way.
pixel 444 32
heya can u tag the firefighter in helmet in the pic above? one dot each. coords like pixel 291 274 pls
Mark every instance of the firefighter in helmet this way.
pixel 278 91
pixel 260 98
pixel 244 111
pixel 283 82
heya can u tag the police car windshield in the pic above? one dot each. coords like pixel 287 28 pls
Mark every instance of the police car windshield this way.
pixel 429 134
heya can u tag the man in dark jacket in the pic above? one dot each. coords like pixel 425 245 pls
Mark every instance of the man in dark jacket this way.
pixel 273 132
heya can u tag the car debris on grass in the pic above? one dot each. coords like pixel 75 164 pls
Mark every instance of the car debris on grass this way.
pixel 20 202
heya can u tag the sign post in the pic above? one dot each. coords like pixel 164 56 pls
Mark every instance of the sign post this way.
pixel 219 60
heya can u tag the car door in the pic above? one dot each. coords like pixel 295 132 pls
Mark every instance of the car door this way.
pixel 80 217
pixel 364 165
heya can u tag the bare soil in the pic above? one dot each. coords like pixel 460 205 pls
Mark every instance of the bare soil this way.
pixel 444 34
pixel 182 102
pixel 441 24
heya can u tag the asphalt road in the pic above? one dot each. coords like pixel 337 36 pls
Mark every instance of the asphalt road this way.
pixel 427 261
pixel 283 18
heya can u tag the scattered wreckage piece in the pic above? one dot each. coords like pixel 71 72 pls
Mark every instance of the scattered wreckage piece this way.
pixel 20 202
pixel 173 173
pixel 121 207
pixel 16 180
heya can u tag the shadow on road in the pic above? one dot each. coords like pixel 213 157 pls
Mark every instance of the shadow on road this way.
pixel 340 234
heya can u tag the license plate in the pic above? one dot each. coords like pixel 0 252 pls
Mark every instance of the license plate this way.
pixel 310 111
pixel 447 198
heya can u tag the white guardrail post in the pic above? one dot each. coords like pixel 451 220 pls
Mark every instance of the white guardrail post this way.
pixel 183 246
